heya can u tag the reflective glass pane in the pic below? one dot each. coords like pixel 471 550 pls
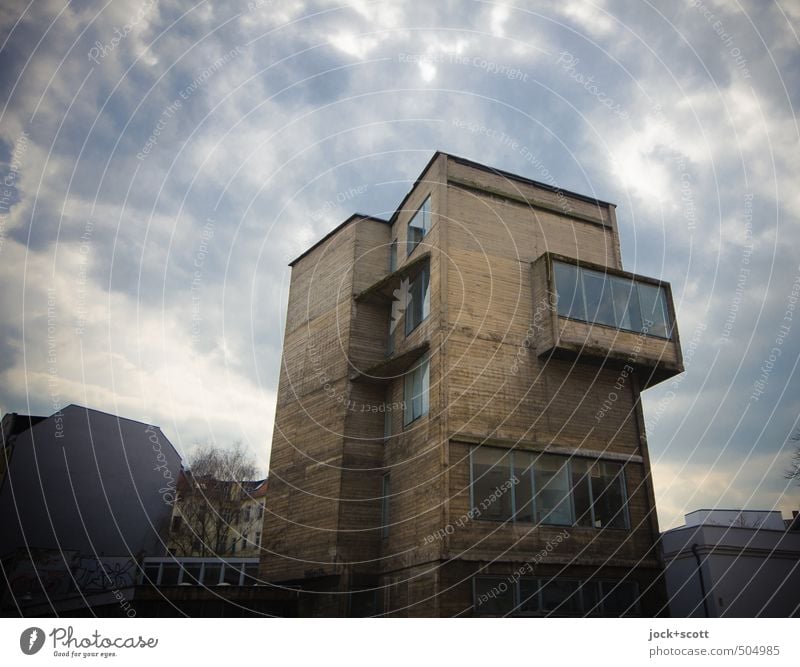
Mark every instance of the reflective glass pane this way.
pixel 191 573
pixel 581 495
pixel 626 303
pixel 609 499
pixel 653 308
pixel 523 490
pixel 568 289
pixel 211 574
pixel 491 475
pixel 169 574
pixel 599 304
pixel 552 490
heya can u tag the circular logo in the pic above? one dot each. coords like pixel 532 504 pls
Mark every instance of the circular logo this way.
pixel 31 640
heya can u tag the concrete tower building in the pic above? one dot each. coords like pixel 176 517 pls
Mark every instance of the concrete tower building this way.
pixel 458 427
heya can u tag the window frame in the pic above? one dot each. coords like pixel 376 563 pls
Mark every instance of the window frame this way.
pixel 408 402
pixel 424 211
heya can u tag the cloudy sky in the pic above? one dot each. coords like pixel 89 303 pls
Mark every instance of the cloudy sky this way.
pixel 163 161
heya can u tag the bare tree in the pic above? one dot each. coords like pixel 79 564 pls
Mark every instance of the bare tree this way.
pixel 210 496
pixel 794 470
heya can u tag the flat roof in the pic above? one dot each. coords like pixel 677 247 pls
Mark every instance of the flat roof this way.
pixel 466 162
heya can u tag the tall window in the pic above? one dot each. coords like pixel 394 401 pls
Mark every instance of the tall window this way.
pixel 419 225
pixel 416 390
pixel 418 301
pixel 393 256
pixel 546 488
pixel 600 298
pixel 385 493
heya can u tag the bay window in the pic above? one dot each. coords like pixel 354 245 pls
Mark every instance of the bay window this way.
pixel 615 301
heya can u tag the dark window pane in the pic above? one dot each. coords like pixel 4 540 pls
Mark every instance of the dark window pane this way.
pixel 654 311
pixel 560 596
pixel 211 574
pixel 599 304
pixel 232 574
pixel 552 489
pixel 590 596
pixel 191 573
pixel 491 493
pixel 393 256
pixel 568 289
pixel 251 574
pixel 581 494
pixel 418 303
pixel 619 598
pixel 416 391
pixel 169 574
pixel 151 573
pixel 494 596
pixel 608 495
pixel 523 490
pixel 528 596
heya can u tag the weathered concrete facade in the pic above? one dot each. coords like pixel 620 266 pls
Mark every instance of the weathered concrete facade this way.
pixel 390 406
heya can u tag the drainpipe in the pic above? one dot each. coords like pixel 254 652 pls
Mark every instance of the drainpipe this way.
pixel 700 574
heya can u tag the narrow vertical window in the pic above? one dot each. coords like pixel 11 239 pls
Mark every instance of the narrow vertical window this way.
pixel 416 391
pixel 552 488
pixel 491 484
pixel 419 225
pixel 393 256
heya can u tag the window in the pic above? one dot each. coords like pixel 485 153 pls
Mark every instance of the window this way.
pixel 393 256
pixel 614 301
pixel 387 417
pixel 547 488
pixel 552 490
pixel 385 492
pixel 494 595
pixel 416 390
pixel 419 225
pixel 491 483
pixel 418 301
pixel 501 596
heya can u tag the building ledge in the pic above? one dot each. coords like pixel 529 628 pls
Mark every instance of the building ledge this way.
pixel 383 290
pixel 392 367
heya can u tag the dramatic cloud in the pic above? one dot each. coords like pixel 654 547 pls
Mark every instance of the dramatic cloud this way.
pixel 162 163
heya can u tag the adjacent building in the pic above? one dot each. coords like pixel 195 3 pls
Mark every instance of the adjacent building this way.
pixel 458 427
pixel 217 518
pixel 85 497
pixel 733 563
